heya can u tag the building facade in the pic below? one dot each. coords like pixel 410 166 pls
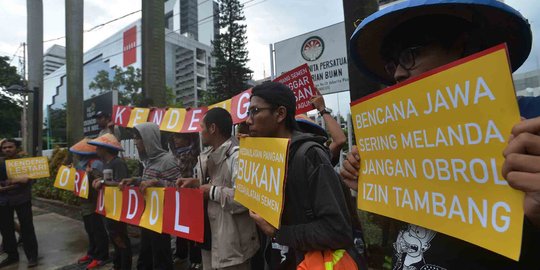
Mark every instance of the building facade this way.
pixel 53 59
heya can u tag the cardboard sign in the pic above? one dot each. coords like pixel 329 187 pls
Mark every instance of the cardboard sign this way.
pixel 173 121
pixel 431 152
pixel 81 184
pixel 121 115
pixel 300 81
pixel 132 205
pixel 65 178
pixel 184 213
pixel 193 120
pixel 156 115
pixel 152 217
pixel 33 168
pixel 113 203
pixel 100 205
pixel 138 116
pixel 261 175
pixel 240 106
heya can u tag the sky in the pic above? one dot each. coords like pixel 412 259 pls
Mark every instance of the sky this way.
pixel 268 21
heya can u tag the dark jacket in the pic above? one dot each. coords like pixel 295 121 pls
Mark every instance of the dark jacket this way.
pixel 326 224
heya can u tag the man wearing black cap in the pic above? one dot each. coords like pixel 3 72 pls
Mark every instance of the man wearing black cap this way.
pixel 315 215
pixel 412 37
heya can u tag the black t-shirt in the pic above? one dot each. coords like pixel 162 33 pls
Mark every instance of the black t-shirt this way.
pixel 119 168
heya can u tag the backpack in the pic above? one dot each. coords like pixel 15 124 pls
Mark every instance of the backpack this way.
pixel 328 259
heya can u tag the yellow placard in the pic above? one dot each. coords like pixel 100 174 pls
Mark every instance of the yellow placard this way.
pixel 261 175
pixel 152 217
pixel 431 152
pixel 85 187
pixel 224 104
pixel 173 120
pixel 65 178
pixel 138 116
pixel 113 203
pixel 33 168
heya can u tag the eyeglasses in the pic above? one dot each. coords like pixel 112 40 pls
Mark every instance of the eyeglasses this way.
pixel 405 59
pixel 254 111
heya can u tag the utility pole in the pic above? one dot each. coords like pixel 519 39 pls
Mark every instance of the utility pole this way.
pixel 153 51
pixel 354 12
pixel 34 30
pixel 74 70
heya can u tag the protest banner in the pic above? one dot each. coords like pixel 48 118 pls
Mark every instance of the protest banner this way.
pixel 152 217
pixel 431 151
pixel 193 120
pixel 184 213
pixel 261 176
pixel 113 202
pixel 33 168
pixel 137 116
pixel 156 115
pixel 100 205
pixel 65 178
pixel 121 115
pixel 132 205
pixel 81 184
pixel 300 81
pixel 173 121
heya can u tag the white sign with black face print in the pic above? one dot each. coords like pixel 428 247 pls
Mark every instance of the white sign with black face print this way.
pixel 325 52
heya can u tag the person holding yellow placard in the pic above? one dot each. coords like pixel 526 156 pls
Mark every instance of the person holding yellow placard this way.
pixel 16 197
pixel 98 246
pixel 160 170
pixel 413 37
pixel 114 169
pixel 315 216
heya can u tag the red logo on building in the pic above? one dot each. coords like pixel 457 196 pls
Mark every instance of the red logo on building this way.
pixel 130 46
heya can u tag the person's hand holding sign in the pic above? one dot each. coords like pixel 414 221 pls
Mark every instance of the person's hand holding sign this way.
pixel 521 167
pixel 350 167
pixel 187 183
pixel 266 227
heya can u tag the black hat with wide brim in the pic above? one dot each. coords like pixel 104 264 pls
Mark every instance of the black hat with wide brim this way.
pixel 497 22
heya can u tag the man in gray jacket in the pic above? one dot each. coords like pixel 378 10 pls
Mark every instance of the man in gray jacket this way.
pixel 234 237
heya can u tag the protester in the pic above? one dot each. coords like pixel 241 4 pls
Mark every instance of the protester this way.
pixel 98 247
pixel 106 125
pixel 160 170
pixel 17 197
pixel 415 36
pixel 315 215
pixel 233 234
pixel 114 169
pixel 185 147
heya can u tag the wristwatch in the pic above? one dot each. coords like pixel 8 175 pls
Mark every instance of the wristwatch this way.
pixel 102 181
pixel 325 111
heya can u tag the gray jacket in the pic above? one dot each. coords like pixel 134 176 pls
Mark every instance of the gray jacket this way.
pixel 234 233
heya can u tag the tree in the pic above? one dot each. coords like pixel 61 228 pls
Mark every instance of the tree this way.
pixel 229 76
pixel 10 114
pixel 127 82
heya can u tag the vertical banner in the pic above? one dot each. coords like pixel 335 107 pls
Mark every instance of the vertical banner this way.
pixel 173 121
pixel 152 217
pixel 84 188
pixel 65 178
pixel 300 81
pixel 132 205
pixel 261 176
pixel 239 106
pixel 156 115
pixel 33 168
pixel 100 205
pixel 81 184
pixel 184 213
pixel 193 120
pixel 431 152
pixel 130 46
pixel 121 115
pixel 138 116
pixel 113 203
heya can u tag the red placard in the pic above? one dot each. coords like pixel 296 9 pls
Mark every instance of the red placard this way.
pixel 130 46
pixel 192 122
pixel 156 115
pixel 132 205
pixel 121 115
pixel 184 213
pixel 240 105
pixel 100 205
pixel 300 81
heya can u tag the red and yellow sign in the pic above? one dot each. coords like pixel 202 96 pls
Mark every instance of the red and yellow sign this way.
pixel 432 147
pixel 261 176
pixel 65 178
pixel 152 217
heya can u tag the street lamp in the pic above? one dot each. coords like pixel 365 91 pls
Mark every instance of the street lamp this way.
pixel 18 89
